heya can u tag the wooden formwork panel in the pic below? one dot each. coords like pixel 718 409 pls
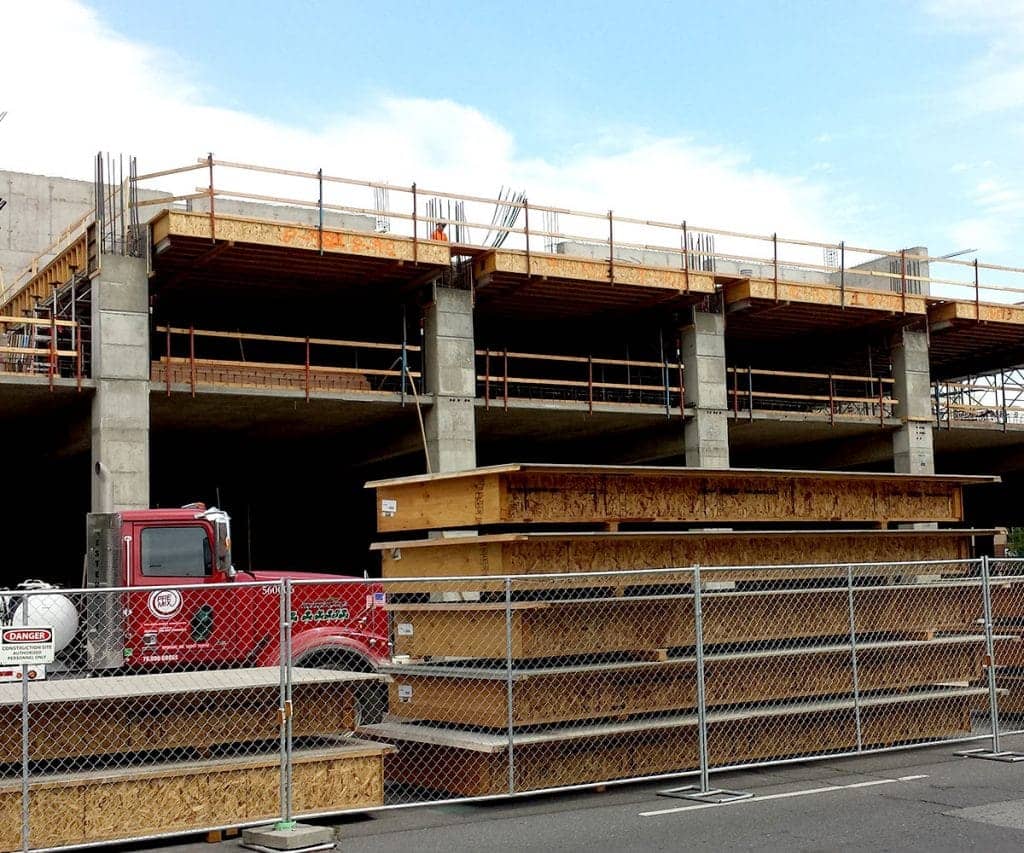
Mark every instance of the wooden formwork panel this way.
pixel 464 764
pixel 74 719
pixel 557 695
pixel 608 625
pixel 579 553
pixel 79 808
pixel 1012 701
pixel 568 494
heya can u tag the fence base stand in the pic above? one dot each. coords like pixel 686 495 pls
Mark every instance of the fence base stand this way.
pixel 1006 757
pixel 715 796
pixel 299 837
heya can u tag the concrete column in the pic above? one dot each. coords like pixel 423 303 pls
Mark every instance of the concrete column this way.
pixel 912 442
pixel 706 434
pixel 450 363
pixel 120 367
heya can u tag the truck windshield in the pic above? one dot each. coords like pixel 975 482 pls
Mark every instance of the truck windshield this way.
pixel 178 552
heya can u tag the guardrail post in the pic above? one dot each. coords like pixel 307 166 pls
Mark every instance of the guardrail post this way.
pixel 192 358
pixel 415 228
pixel 167 364
pixel 590 383
pixel 53 339
pixel 307 368
pixel 611 249
pixel 775 263
pixel 526 229
pixel 686 259
pixel 213 218
pixel 750 394
pixel 831 400
pixel 903 280
pixel 487 379
pixel 1002 395
pixel 977 294
pixel 842 274
pixel 509 692
pixel 506 379
pixel 320 208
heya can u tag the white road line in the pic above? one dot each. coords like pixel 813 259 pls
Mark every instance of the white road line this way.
pixel 788 794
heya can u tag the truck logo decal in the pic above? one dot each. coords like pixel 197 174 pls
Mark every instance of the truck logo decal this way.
pixel 165 603
pixel 321 613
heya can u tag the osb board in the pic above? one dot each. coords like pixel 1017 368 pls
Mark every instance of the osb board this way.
pixel 641 688
pixel 577 268
pixel 144 723
pixel 520 554
pixel 585 495
pixel 986 312
pixel 604 625
pixel 1012 701
pixel 108 805
pixel 464 772
pixel 786 291
pixel 1009 652
pixel 308 237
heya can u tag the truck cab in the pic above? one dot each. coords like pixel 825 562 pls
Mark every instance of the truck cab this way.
pixel 176 600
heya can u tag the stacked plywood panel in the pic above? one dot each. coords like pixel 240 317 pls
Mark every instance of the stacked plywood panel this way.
pixel 593 677
pixel 141 755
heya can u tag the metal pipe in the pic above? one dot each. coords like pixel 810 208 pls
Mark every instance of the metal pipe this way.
pixel 415 228
pixel 611 248
pixel 307 368
pixel 320 208
pixel 167 365
pixel 526 228
pixel 192 358
pixel 842 274
pixel 990 652
pixel 702 718
pixel 853 658
pixel 283 628
pixel 213 219
pixel 509 693
pixel 25 792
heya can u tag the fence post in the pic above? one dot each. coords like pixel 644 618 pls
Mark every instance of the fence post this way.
pixel 509 698
pixel 703 792
pixel 853 657
pixel 995 753
pixel 25 812
pixel 284 711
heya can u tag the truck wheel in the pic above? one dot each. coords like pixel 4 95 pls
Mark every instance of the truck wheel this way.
pixel 371 698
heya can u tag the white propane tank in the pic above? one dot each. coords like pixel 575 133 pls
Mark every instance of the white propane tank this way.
pixel 54 610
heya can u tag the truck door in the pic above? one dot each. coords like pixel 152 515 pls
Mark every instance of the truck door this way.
pixel 176 618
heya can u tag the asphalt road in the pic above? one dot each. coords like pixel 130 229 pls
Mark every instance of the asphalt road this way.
pixel 927 799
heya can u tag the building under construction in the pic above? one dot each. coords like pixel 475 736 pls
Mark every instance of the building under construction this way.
pixel 271 340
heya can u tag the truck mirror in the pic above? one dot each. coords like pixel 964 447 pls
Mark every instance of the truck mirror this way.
pixel 224 563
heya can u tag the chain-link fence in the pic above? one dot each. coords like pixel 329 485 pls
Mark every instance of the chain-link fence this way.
pixel 177 708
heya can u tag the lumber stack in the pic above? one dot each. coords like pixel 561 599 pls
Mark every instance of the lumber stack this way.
pixel 140 755
pixel 593 676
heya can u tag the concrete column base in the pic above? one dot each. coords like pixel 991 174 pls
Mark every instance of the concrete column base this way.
pixel 300 836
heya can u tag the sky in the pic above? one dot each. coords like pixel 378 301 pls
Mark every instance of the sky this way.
pixel 885 124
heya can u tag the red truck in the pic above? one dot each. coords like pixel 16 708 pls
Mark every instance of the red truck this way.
pixel 164 613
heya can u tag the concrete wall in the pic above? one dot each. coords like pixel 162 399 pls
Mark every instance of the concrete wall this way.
pixel 284 213
pixel 38 210
pixel 706 434
pixel 912 442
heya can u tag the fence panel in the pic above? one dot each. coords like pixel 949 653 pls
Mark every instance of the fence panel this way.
pixel 155 718
pixel 1007 601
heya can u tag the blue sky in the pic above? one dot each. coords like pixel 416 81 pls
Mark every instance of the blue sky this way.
pixel 884 123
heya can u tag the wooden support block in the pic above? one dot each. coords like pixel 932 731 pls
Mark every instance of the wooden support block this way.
pixel 567 494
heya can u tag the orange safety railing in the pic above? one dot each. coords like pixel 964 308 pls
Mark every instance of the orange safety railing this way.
pixel 411 211
pixel 588 381
pixel 837 396
pixel 42 346
pixel 201 357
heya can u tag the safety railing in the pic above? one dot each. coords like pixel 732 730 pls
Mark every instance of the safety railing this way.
pixel 476 222
pixel 995 398
pixel 588 381
pixel 42 346
pixel 325 696
pixel 835 396
pixel 205 358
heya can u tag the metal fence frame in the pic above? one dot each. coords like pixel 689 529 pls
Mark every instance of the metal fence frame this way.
pixel 974 577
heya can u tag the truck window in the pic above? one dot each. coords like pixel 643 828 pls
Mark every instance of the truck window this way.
pixel 175 552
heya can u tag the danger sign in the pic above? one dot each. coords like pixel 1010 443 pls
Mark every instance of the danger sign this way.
pixel 28 645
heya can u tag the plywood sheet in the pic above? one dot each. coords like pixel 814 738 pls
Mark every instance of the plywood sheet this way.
pixel 544 553
pixel 460 696
pixel 566 494
pixel 607 625
pixel 105 805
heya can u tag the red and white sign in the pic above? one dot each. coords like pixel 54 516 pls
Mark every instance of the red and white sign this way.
pixel 27 645
pixel 165 603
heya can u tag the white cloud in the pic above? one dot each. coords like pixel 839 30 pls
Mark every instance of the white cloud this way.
pixel 994 80
pixel 97 90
